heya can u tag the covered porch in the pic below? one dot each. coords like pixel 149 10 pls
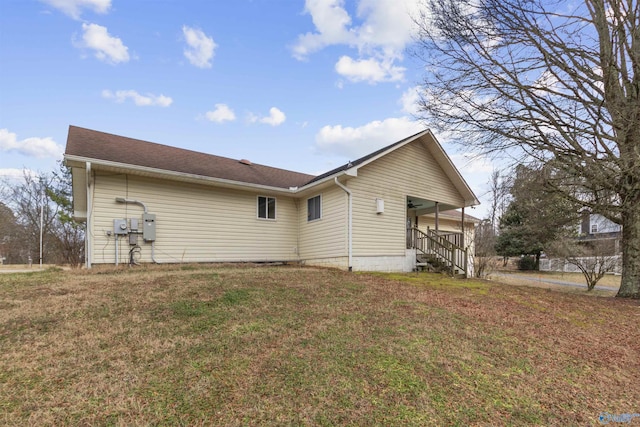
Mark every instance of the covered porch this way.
pixel 437 248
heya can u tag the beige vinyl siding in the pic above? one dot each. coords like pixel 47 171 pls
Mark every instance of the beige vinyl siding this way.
pixel 444 224
pixel 408 171
pixel 326 237
pixel 194 223
pixel 429 222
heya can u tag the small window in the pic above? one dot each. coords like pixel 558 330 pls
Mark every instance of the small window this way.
pixel 266 207
pixel 314 208
pixel 594 228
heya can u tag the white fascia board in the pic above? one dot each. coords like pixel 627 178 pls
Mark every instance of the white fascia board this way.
pixel 142 170
pixel 352 172
pixel 80 216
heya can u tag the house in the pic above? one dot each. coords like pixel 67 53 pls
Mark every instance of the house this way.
pixel 146 202
pixel 450 222
pixel 600 242
pixel 439 231
pixel 597 228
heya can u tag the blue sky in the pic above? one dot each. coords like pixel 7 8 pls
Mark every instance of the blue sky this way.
pixel 304 86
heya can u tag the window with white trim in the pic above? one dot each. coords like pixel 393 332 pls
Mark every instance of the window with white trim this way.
pixel 266 207
pixel 594 228
pixel 314 208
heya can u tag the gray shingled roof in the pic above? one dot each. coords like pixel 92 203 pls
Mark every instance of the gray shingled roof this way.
pixel 91 144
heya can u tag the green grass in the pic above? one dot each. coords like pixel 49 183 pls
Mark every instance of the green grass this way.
pixel 240 345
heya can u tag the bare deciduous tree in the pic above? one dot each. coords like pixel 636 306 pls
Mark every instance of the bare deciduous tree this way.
pixel 9 232
pixel 69 233
pixel 28 201
pixel 593 258
pixel 484 240
pixel 42 199
pixel 553 82
pixel 499 188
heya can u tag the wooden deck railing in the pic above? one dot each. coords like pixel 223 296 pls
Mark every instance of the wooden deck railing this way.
pixel 446 247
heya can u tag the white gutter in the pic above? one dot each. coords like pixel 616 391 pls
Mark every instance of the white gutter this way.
pixel 87 245
pixel 201 179
pixel 350 222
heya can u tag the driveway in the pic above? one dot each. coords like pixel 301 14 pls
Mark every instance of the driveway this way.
pixel 550 281
pixel 22 268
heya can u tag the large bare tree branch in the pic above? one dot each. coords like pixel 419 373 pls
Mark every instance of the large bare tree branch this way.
pixel 546 81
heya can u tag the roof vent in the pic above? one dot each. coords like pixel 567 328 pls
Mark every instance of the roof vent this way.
pixel 245 162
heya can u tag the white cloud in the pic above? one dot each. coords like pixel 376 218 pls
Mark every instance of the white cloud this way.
pixel 15 175
pixel 275 118
pixel 138 99
pixel 331 21
pixel 107 48
pixel 369 70
pixel 388 24
pixel 386 28
pixel 73 8
pixel 221 114
pixel 410 100
pixel 200 47
pixel 356 142
pixel 30 147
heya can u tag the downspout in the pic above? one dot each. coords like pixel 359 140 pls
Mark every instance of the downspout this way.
pixel 88 246
pixel 349 221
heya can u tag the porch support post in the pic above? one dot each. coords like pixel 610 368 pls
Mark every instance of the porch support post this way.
pixel 462 238
pixel 437 215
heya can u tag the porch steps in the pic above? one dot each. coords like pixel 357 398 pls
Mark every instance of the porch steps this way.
pixel 438 252
pixel 435 264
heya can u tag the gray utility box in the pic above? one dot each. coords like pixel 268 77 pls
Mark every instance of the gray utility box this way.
pixel 120 226
pixel 149 227
pixel 133 239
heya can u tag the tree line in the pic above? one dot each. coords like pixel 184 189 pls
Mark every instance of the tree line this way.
pixel 38 210
pixel 528 220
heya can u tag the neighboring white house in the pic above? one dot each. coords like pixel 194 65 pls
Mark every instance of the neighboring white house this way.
pixel 155 203
pixel 598 232
pixel 596 224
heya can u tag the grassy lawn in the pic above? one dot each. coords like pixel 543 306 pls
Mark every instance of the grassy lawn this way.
pixel 229 345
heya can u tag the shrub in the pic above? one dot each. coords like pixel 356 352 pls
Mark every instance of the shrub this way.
pixel 527 262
